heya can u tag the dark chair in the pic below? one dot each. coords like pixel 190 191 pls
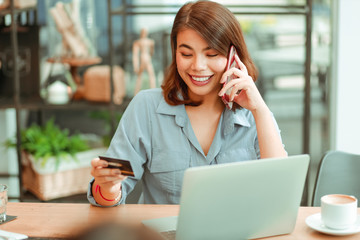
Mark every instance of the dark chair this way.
pixel 339 173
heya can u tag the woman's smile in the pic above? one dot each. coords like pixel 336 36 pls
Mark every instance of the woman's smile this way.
pixel 200 80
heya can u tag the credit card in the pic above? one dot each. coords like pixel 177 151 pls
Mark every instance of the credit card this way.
pixel 123 165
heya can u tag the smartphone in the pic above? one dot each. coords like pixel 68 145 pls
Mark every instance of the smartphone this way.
pixel 123 165
pixel 230 64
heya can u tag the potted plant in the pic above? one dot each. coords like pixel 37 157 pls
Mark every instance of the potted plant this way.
pixel 55 163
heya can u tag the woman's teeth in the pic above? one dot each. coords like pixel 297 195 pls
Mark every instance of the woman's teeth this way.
pixel 200 79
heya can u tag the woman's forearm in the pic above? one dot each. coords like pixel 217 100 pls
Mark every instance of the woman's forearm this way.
pixel 268 136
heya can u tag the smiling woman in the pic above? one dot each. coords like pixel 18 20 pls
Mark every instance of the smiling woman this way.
pixel 185 123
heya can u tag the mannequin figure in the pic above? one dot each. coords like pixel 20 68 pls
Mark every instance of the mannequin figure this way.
pixel 143 47
pixel 74 44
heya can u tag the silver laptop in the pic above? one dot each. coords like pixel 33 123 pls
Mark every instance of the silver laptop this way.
pixel 242 200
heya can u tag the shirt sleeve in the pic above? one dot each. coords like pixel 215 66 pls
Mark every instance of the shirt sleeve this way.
pixel 132 142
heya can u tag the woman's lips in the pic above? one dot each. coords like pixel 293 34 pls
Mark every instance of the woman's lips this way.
pixel 200 80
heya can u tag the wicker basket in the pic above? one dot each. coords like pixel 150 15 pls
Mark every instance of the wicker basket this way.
pixel 97 84
pixel 56 184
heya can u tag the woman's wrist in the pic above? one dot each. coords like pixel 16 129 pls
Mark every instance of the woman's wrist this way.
pixel 261 110
pixel 109 199
pixel 106 197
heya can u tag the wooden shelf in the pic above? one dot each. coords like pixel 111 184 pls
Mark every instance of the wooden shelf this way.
pixel 6 11
pixel 39 104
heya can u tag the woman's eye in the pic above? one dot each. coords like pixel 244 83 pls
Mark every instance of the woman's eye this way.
pixel 212 55
pixel 185 55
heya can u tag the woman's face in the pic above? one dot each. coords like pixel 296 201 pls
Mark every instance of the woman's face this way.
pixel 200 66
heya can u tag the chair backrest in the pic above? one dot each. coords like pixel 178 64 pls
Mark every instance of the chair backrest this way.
pixel 339 172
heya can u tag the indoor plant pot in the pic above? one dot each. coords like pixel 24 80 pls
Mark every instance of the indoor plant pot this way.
pixel 70 178
pixel 55 164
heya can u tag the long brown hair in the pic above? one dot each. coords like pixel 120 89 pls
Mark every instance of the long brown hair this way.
pixel 218 26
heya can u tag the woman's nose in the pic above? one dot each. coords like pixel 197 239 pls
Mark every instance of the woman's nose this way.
pixel 199 63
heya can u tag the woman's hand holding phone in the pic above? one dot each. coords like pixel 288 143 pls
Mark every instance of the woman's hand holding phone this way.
pixel 238 85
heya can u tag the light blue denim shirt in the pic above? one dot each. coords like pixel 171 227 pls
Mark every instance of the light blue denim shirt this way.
pixel 159 141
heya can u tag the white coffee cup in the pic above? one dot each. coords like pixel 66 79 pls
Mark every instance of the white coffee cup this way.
pixel 338 211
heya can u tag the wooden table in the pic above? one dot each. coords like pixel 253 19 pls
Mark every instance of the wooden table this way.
pixel 59 220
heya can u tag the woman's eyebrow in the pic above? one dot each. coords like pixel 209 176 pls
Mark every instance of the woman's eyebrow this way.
pixel 187 46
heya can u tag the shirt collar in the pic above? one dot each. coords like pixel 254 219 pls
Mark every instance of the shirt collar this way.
pixel 240 118
pixel 178 111
pixel 231 118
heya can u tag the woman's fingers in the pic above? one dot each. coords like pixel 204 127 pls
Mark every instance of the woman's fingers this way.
pixel 110 180
pixel 98 172
pixel 236 90
pixel 102 174
pixel 243 89
pixel 241 65
pixel 96 162
pixel 232 71
pixel 239 72
pixel 233 83
pixel 108 175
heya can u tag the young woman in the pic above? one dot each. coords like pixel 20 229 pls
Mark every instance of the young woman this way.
pixel 165 131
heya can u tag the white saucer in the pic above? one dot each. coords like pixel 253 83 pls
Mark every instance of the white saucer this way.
pixel 314 221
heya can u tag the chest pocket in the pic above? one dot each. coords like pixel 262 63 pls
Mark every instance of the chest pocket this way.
pixel 236 155
pixel 167 168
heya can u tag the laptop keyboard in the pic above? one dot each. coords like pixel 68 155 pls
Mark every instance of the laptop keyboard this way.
pixel 169 235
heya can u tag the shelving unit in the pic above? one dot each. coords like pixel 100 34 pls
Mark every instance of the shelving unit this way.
pixel 15 102
pixel 33 101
